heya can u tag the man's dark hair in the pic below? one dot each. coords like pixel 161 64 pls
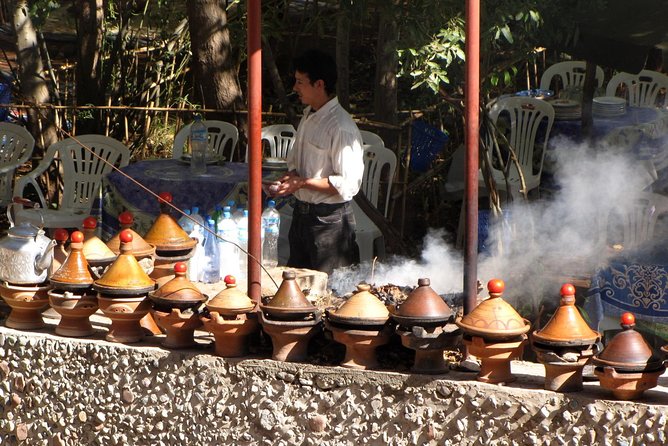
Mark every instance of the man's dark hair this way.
pixel 317 65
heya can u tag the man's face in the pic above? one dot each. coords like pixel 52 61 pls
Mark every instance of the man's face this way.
pixel 305 89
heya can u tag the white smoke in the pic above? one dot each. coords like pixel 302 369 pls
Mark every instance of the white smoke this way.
pixel 535 241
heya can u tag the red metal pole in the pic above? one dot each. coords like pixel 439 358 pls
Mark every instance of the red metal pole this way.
pixel 472 135
pixel 254 147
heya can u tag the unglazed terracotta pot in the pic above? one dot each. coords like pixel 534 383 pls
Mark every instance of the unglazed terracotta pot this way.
pixel 74 310
pixel 362 308
pixel 144 253
pixel 230 301
pixel 429 344
pixel 627 385
pixel 125 312
pixel 179 327
pixel 98 255
pixel 178 293
pixel 495 357
pixel 290 339
pixel 231 333
pixel 289 301
pixel 27 304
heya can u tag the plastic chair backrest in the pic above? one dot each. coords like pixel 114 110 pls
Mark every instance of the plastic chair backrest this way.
pixel 571 73
pixel 371 139
pixel 528 118
pixel 16 146
pixel 82 171
pixel 376 158
pixel 223 138
pixel 640 90
pixel 635 224
pixel 280 138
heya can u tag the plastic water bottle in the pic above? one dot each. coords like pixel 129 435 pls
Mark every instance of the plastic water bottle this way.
pixel 210 266
pixel 199 143
pixel 242 235
pixel 186 223
pixel 197 217
pixel 271 222
pixel 229 253
pixel 195 262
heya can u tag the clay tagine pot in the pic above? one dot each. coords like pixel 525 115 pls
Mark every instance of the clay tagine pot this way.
pixel 176 309
pixel 628 365
pixel 424 327
pixel 142 251
pixel 423 307
pixel 73 274
pixel 122 294
pixel 290 320
pixel 98 255
pixel 289 302
pixel 59 251
pixel 231 320
pixel 27 303
pixel 495 333
pixel 360 324
pixel 166 234
pixel 565 345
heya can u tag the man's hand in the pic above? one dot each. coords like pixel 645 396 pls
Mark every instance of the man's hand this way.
pixel 290 183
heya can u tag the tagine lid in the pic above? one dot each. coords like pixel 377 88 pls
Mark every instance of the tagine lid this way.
pixel 231 300
pixel 166 234
pixel 289 298
pixel 179 289
pixel 140 248
pixel 73 273
pixel 567 327
pixel 628 351
pixel 125 276
pixel 494 317
pixel 94 248
pixel 362 307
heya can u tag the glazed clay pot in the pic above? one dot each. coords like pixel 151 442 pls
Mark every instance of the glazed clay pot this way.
pixel 74 310
pixel 166 234
pixel 289 302
pixel 565 345
pixel 628 366
pixel 27 304
pixel 144 253
pixel 97 253
pixel 362 309
pixel 423 307
pixel 59 252
pixel 73 274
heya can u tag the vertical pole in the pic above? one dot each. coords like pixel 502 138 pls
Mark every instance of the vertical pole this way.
pixel 254 147
pixel 472 104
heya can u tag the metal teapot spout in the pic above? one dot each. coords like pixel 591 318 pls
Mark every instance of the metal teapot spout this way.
pixel 43 261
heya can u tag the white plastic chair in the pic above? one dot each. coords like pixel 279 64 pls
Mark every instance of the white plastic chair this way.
pixel 16 146
pixel 377 159
pixel 82 174
pixel 371 139
pixel 642 89
pixel 571 73
pixel 280 138
pixel 223 138
pixel 529 118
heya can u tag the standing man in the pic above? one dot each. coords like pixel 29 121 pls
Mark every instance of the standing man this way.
pixel 325 171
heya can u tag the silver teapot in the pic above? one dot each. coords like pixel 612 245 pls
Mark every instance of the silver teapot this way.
pixel 25 253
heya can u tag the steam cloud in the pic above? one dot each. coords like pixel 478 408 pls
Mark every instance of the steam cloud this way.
pixel 534 241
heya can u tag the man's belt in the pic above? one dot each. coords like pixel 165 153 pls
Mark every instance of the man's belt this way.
pixel 321 209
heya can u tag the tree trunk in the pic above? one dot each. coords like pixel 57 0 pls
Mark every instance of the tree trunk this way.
pixel 33 85
pixel 90 30
pixel 270 63
pixel 213 64
pixel 385 91
pixel 343 53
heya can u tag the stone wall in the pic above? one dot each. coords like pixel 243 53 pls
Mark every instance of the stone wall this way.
pixel 56 391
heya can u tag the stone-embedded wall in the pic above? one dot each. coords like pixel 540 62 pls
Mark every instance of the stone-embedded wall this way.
pixel 55 391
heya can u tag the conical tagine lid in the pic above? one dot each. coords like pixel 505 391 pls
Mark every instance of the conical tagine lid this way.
pixel 362 307
pixel 424 303
pixel 125 276
pixel 73 273
pixel 494 318
pixel 94 248
pixel 166 234
pixel 231 300
pixel 289 299
pixel 628 351
pixel 178 293
pixel 140 248
pixel 567 327
pixel 59 252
